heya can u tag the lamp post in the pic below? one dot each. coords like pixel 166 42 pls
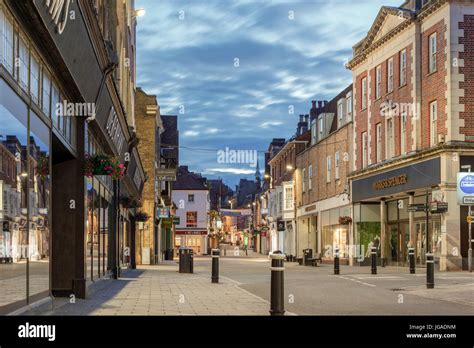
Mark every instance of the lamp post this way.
pixel 469 235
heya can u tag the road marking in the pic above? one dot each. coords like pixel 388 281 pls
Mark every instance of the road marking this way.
pixel 380 277
pixel 358 281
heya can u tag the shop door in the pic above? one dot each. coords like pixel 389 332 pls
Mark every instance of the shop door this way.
pixel 398 244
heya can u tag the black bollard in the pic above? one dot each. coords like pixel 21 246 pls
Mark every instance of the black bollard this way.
pixel 215 265
pixel 277 292
pixel 373 255
pixel 411 258
pixel 336 261
pixel 225 251
pixel 429 271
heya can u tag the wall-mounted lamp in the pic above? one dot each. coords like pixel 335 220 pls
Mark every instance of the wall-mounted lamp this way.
pixel 139 12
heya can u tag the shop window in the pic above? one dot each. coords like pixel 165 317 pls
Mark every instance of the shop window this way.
pixel 191 219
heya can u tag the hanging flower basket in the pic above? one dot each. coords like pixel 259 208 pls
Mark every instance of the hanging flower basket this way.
pixel 345 220
pixel 42 168
pixel 142 217
pixel 104 165
pixel 129 203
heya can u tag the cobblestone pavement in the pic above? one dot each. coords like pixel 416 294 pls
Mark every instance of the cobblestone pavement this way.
pixel 161 290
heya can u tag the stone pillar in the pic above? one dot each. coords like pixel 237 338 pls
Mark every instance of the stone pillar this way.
pixel 411 223
pixel 383 232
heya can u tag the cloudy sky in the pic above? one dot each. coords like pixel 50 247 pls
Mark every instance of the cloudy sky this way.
pixel 232 70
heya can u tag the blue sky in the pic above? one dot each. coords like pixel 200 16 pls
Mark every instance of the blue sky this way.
pixel 289 53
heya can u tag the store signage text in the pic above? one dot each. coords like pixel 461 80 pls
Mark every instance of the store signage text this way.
pixel 191 233
pixel 114 131
pixel 391 182
pixel 59 11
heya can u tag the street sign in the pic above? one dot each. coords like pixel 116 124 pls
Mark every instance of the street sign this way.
pixel 438 207
pixel 465 188
pixel 417 207
pixel 176 220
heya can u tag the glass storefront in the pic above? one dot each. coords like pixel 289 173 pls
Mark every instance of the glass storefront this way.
pixel 367 230
pixel 334 235
pixel 98 202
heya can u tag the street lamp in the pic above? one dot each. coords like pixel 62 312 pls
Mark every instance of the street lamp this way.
pixel 230 202
pixel 140 12
pixel 289 167
pixel 468 168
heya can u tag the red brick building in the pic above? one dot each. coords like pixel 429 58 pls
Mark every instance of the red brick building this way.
pixel 413 130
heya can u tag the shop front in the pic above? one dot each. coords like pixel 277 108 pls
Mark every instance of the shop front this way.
pixel 409 206
pixel 194 239
pixel 335 233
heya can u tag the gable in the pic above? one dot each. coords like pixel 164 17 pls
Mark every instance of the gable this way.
pixel 391 22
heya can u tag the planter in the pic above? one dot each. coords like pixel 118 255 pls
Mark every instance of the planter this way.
pixel 345 220
pixel 104 165
pixel 142 217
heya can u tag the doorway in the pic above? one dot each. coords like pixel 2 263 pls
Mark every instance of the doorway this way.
pixel 398 244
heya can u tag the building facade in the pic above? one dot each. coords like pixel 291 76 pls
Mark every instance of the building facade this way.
pixel 413 131
pixel 321 180
pixel 191 196
pixel 61 230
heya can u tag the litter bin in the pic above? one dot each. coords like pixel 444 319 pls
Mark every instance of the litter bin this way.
pixel 185 260
pixel 307 257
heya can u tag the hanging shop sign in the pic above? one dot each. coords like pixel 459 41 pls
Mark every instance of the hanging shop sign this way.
pixel 163 213
pixel 59 11
pixel 280 225
pixel 164 174
pixel 438 207
pixel 114 130
pixel 465 188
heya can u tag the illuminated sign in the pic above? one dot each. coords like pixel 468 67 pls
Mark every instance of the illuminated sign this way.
pixel 391 182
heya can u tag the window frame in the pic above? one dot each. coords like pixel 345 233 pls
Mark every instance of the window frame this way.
pixel 378 82
pixel 403 133
pixel 365 141
pixel 328 169
pixel 390 76
pixel 364 93
pixel 433 53
pixel 434 123
pixel 403 67
pixel 337 160
pixel 378 134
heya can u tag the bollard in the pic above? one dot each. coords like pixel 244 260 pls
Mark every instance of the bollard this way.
pixel 277 292
pixel 336 261
pixel 411 258
pixel 373 255
pixel 246 252
pixel 225 251
pixel 215 265
pixel 429 271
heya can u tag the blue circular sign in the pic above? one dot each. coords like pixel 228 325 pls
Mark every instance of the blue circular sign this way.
pixel 467 184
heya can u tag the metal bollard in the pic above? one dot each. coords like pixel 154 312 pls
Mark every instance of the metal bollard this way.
pixel 373 255
pixel 215 265
pixel 429 271
pixel 277 292
pixel 225 251
pixel 411 258
pixel 336 261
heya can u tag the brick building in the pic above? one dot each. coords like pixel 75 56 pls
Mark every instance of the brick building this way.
pixel 413 130
pixel 321 179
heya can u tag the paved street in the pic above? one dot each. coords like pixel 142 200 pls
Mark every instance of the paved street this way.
pixel 245 287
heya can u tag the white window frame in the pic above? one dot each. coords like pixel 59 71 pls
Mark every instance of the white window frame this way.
pixel 303 180
pixel 378 82
pixel 321 127
pixel 349 106
pixel 289 197
pixel 403 133
pixel 364 93
pixel 340 112
pixel 379 142
pixel 337 160
pixel 310 177
pixel 390 75
pixel 434 123
pixel 7 39
pixel 328 169
pixel 390 139
pixel 433 51
pixel 403 67
pixel 364 149
pixel 314 133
